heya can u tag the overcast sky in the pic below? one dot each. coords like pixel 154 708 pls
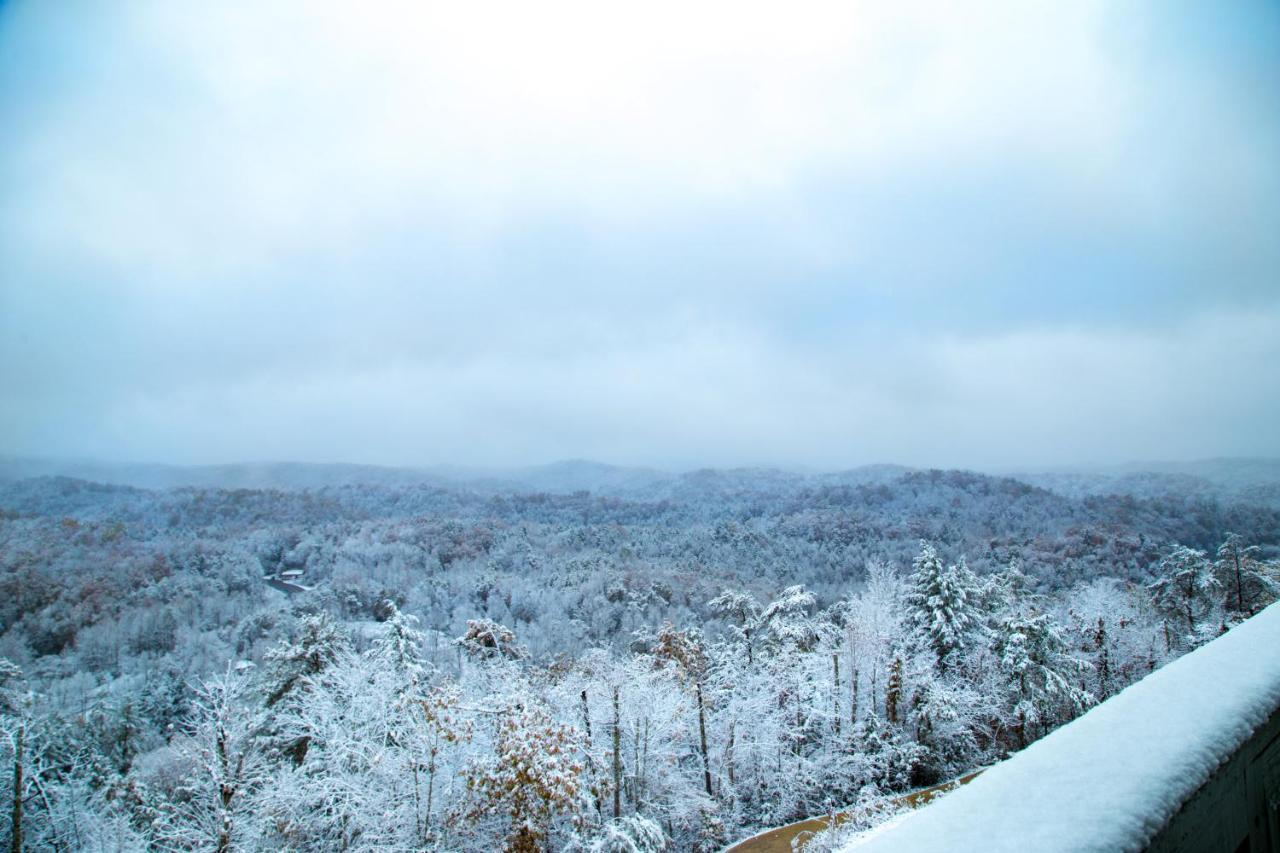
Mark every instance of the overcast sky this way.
pixel 671 233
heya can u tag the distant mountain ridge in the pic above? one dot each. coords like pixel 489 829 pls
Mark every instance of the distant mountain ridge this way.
pixel 1255 480
pixel 560 477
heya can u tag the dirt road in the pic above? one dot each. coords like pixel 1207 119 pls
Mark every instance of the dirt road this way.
pixel 779 840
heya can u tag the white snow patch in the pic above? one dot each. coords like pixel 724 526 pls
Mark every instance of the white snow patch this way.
pixel 1111 780
pixel 877 830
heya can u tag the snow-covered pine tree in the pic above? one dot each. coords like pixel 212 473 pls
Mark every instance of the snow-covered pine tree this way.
pixel 1246 588
pixel 1185 594
pixel 788 623
pixel 320 644
pixel 1039 673
pixel 940 606
pixel 893 692
pixel 742 612
pixel 400 647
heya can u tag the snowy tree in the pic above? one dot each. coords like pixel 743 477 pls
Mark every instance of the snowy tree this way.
pixel 1039 672
pixel 630 834
pixel 400 647
pixel 444 726
pixel 945 713
pixel 295 667
pixel 224 770
pixel 1113 625
pixel 320 644
pixel 1002 592
pixel 743 612
pixel 873 624
pixel 940 605
pixel 14 712
pixel 1185 594
pixel 683 649
pixel 532 778
pixel 488 639
pixel 787 622
pixel 350 789
pixel 1241 577
pixel 889 758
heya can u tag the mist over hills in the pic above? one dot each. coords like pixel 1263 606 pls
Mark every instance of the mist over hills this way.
pixel 566 476
pixel 1252 480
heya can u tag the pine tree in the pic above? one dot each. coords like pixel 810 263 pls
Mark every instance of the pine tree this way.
pixel 941 606
pixel 400 647
pixel 1039 673
pixel 320 644
pixel 744 611
pixel 294 667
pixel 889 757
pixel 1184 595
pixel 1239 572
pixel 893 691
pixel 788 623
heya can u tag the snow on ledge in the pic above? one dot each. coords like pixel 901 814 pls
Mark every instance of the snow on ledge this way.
pixel 1112 779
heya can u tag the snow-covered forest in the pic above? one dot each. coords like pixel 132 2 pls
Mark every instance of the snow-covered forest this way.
pixel 647 664
pixel 912 370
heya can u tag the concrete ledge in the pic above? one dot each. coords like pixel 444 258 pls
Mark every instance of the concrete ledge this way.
pixel 1185 760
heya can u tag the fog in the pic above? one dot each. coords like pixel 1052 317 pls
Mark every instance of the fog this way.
pixel 414 233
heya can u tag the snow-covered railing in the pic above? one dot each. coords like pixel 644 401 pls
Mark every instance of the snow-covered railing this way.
pixel 1188 759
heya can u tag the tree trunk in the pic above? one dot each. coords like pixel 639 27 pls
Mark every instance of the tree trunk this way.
pixel 893 691
pixel 1189 594
pixel 642 767
pixel 16 838
pixel 417 803
pixel 1235 553
pixel 702 736
pixel 1104 660
pixel 1022 715
pixel 635 771
pixel 875 685
pixel 431 780
pixel 835 693
pixel 728 751
pixel 617 756
pixel 853 696
pixel 226 791
pixel 591 763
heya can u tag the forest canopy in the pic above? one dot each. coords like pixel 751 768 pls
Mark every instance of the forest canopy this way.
pixel 654 664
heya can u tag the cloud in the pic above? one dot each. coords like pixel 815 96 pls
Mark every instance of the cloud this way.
pixel 670 233
pixel 698 394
